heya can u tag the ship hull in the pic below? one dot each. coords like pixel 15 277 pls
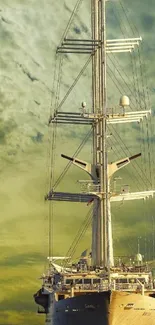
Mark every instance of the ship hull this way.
pixel 80 310
pixel 103 308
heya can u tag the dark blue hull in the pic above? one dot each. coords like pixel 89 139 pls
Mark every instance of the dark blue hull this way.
pixel 99 308
pixel 92 309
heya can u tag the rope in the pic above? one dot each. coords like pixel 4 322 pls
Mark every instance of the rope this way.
pixel 74 155
pixel 124 81
pixel 76 8
pixel 122 69
pixel 48 215
pixel 142 177
pixel 149 129
pixel 51 203
pixel 134 62
pixel 134 80
pixel 125 9
pixel 116 82
pixel 120 22
pixel 52 148
pixel 74 83
pixel 59 81
pixel 142 77
pixel 81 232
pixel 135 179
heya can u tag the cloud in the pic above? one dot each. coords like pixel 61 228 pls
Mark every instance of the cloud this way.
pixel 6 128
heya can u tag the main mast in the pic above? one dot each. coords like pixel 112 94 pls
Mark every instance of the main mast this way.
pixel 100 213
pixel 99 170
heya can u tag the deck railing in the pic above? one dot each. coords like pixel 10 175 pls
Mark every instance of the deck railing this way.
pixel 135 287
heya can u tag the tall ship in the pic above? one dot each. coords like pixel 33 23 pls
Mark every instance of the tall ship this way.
pixel 98 288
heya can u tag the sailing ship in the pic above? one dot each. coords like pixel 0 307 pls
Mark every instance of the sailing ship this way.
pixel 97 290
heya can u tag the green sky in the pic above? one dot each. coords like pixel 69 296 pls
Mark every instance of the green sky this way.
pixel 29 33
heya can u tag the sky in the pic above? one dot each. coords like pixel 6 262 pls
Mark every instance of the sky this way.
pixel 30 30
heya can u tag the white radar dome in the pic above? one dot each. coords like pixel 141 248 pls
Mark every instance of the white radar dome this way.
pixel 124 101
pixel 83 104
pixel 139 258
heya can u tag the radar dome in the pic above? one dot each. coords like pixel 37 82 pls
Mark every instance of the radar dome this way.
pixel 124 101
pixel 139 257
pixel 83 104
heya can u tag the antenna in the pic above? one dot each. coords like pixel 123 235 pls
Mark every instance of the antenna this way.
pixel 153 239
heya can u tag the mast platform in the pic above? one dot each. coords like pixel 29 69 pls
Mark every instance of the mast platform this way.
pixel 92 118
pixel 70 197
pixel 90 196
